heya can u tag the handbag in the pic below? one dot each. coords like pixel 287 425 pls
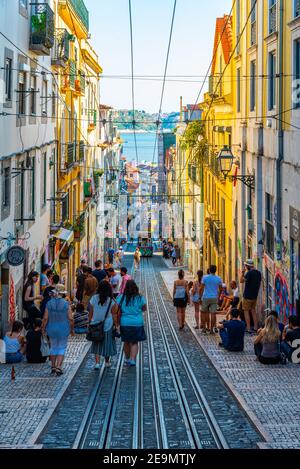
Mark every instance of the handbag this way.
pixel 45 349
pixel 96 331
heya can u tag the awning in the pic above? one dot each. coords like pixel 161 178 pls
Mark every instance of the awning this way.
pixel 65 235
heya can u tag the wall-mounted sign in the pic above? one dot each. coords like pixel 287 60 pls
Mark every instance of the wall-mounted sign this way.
pixel 295 224
pixel 15 256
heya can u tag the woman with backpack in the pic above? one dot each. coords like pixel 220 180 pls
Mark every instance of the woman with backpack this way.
pixel 100 309
pixel 196 298
pixel 129 315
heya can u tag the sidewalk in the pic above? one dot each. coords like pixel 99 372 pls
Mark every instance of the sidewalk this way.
pixel 269 394
pixel 28 402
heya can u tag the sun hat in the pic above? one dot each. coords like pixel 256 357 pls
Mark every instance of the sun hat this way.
pixel 249 262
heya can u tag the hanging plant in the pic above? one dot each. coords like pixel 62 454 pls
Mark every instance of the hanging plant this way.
pixel 38 23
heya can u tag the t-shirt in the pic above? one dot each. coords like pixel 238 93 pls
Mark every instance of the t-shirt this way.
pixel 115 283
pixel 99 312
pixel 44 280
pixel 125 279
pixel 99 274
pixel 33 347
pixel 132 314
pixel 252 284
pixel 291 335
pixel 211 286
pixel 236 331
pixel 236 293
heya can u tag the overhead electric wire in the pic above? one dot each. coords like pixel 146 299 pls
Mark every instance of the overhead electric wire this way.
pixel 132 80
pixel 165 74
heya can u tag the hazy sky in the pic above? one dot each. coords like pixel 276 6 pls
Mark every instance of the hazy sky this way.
pixel 191 48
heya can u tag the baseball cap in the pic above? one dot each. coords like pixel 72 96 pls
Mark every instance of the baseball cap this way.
pixel 249 262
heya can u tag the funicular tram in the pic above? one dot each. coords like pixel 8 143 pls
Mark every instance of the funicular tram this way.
pixel 146 247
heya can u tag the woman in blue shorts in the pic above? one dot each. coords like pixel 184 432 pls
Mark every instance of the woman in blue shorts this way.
pixel 130 307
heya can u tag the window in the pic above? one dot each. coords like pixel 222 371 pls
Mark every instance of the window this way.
pixel 238 25
pixel 272 16
pixel 253 22
pixel 269 227
pixel 44 179
pixel 31 187
pixel 44 98
pixel 296 86
pixel 33 95
pixel 297 7
pixel 8 78
pixel 6 188
pixel 238 90
pixel 272 81
pixel 21 95
pixel 252 85
pixel 23 4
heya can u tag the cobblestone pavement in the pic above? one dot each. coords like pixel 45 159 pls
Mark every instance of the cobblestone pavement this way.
pixel 27 402
pixel 269 394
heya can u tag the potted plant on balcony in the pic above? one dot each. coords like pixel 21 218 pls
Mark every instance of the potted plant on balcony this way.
pixel 78 228
pixel 38 30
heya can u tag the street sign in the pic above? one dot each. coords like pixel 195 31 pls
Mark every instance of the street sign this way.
pixel 15 256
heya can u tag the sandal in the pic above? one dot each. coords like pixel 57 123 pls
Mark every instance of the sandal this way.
pixel 59 371
pixel 53 370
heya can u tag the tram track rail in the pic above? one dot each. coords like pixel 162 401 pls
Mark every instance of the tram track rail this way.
pixel 192 428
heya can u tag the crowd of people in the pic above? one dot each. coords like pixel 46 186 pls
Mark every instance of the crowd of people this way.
pixel 273 343
pixel 107 305
pixel 171 251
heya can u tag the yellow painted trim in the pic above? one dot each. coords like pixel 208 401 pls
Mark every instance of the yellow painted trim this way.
pixel 91 61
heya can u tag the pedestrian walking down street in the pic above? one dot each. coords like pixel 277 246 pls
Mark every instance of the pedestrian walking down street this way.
pixel 211 287
pixel 115 281
pixel 100 309
pixel 128 314
pixel 137 259
pixel 251 277
pixel 196 298
pixel 58 324
pixel 90 287
pixel 29 298
pixel 181 298
pixel 173 256
pixel 178 254
pixel 124 278
pixel 99 273
pixel 110 254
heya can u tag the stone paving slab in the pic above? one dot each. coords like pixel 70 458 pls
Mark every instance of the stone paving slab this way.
pixel 269 394
pixel 27 403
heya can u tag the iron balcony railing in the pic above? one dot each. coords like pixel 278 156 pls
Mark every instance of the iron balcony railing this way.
pixel 214 165
pixel 81 11
pixel 61 49
pixel 273 18
pixel 81 150
pixel 297 8
pixel 217 235
pixel 41 29
pixel 71 153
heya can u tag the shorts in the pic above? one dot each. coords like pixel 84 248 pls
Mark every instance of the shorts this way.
pixel 248 305
pixel 58 346
pixel 209 305
pixel 16 357
pixel 180 302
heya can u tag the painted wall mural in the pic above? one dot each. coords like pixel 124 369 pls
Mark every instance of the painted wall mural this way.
pixel 282 298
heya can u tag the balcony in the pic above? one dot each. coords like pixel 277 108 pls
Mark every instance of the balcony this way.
pixel 69 77
pixel 273 18
pixel 214 165
pixel 192 172
pixel 80 84
pixel 79 227
pixel 215 89
pixel 217 235
pixel 92 120
pixel 87 189
pixel 75 13
pixel 61 49
pixel 41 29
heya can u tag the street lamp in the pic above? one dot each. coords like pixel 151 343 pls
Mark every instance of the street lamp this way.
pixel 225 159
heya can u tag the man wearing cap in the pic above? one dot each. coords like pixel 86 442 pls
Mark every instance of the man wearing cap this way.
pixel 251 277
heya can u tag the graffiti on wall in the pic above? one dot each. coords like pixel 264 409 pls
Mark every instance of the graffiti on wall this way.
pixel 282 298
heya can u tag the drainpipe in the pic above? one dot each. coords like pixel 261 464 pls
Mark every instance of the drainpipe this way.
pixel 280 139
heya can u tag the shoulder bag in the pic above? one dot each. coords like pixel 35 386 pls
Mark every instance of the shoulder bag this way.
pixel 96 331
pixel 45 349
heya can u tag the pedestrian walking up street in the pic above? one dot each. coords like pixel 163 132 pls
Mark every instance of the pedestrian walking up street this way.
pixel 137 259
pixel 181 298
pixel 128 314
pixel 58 324
pixel 251 277
pixel 196 298
pixel 99 273
pixel 29 298
pixel 110 254
pixel 115 280
pixel 124 278
pixel 100 309
pixel 211 287
pixel 89 287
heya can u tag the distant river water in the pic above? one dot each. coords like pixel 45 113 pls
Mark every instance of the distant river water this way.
pixel 145 146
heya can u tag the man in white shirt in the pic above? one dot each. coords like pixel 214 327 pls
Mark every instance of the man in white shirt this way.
pixel 115 281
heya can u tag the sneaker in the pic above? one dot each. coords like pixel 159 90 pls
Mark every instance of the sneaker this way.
pixel 203 331
pixel 216 330
pixel 131 362
pixel 108 364
pixel 97 366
